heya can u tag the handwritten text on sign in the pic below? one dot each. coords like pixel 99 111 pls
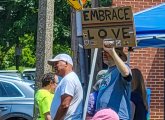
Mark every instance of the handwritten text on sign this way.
pixel 112 24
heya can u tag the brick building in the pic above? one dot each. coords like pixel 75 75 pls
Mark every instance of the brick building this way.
pixel 151 61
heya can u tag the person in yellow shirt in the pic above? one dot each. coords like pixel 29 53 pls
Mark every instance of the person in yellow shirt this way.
pixel 44 96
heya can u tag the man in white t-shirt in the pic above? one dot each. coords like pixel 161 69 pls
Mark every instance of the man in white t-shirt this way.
pixel 67 102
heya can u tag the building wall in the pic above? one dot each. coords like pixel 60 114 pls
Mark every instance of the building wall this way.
pixel 151 61
pixel 137 5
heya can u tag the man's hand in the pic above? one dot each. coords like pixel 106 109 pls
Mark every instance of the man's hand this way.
pixel 62 110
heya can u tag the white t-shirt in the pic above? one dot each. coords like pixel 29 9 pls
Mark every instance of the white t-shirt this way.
pixel 70 85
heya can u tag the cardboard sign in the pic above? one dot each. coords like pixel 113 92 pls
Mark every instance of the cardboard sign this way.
pixel 108 24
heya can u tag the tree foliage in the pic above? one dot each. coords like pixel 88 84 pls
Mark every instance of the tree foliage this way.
pixel 105 3
pixel 62 29
pixel 18 17
pixel 18 27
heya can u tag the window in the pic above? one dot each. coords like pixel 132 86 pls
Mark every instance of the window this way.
pixel 12 90
pixel 2 91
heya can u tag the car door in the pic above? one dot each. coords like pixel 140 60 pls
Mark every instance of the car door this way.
pixel 15 102
pixel 5 107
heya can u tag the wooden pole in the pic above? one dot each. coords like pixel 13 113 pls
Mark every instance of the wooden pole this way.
pixel 44 38
pixel 44 41
pixel 74 42
pixel 98 67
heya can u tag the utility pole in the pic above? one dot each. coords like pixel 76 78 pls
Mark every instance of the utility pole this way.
pixel 95 67
pixel 98 67
pixel 78 49
pixel 18 52
pixel 44 42
pixel 44 38
pixel 95 3
pixel 74 42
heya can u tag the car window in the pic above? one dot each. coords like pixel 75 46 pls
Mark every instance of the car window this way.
pixel 28 77
pixel 12 91
pixel 2 91
pixel 29 73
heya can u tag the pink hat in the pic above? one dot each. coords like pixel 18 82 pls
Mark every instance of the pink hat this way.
pixel 106 114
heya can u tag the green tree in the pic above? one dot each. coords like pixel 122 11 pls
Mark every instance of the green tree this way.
pixel 105 3
pixel 18 17
pixel 62 29
pixel 28 55
pixel 18 26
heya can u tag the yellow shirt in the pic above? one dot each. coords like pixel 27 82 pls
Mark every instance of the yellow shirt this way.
pixel 44 99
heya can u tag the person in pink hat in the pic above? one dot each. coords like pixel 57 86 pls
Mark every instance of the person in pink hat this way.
pixel 106 114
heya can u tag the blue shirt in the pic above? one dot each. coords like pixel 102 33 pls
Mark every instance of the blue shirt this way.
pixel 115 93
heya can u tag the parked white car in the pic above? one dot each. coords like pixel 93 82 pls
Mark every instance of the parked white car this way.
pixel 29 74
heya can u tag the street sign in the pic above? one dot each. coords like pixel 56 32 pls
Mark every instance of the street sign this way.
pixel 113 24
pixel 76 4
